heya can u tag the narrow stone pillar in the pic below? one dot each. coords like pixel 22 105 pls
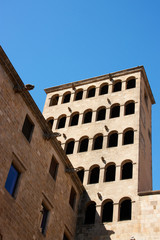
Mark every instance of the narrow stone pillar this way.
pixel 85 179
pixel 115 212
pixel 118 170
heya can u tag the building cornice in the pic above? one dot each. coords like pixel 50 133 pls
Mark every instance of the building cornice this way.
pixel 146 193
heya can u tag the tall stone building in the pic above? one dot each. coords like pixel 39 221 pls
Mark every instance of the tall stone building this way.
pixel 105 127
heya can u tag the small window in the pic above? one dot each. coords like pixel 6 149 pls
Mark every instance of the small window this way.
pixel 54 100
pixel 98 142
pixel 66 98
pixel 83 144
pixel 131 83
pixel 50 123
pixel 53 168
pixel 90 213
pixel 149 135
pixel 94 175
pixel 61 122
pixel 115 111
pixel 125 210
pixel 129 108
pixel 101 114
pixel 44 217
pixel 79 95
pixel 80 174
pixel 87 117
pixel 117 86
pixel 70 147
pixel 110 173
pixel 127 170
pixel 128 137
pixel 72 199
pixel 107 211
pixel 146 99
pixel 74 119
pixel 113 140
pixel 91 92
pixel 12 180
pixel 103 89
pixel 27 128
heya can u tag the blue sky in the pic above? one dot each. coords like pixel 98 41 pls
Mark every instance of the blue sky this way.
pixel 54 42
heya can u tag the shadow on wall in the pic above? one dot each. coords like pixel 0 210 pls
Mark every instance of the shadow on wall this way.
pixel 89 223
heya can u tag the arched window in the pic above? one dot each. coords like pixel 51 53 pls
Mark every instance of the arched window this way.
pixel 69 146
pixel 87 116
pixel 126 170
pixel 128 137
pixel 91 92
pixel 80 174
pixel 113 139
pixel 110 173
pixel 98 142
pixel 101 114
pixel 129 108
pixel 94 175
pixel 107 211
pixel 125 207
pixel 61 122
pixel 83 144
pixel 66 97
pixel 90 213
pixel 117 86
pixel 103 89
pixel 50 122
pixel 74 119
pixel 78 95
pixel 115 111
pixel 131 83
pixel 54 100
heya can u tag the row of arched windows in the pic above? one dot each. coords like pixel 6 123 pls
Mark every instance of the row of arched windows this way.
pixel 128 138
pixel 109 173
pixel 91 91
pixel 125 211
pixel 100 115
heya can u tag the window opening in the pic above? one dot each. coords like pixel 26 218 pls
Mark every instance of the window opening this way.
pixel 125 210
pixel 83 145
pixel 27 128
pixel 107 214
pixel 61 123
pixel 66 98
pixel 131 83
pixel 127 170
pixel 128 137
pixel 72 198
pixel 87 117
pixel 117 87
pixel 91 92
pixel 94 175
pixel 103 89
pixel 101 114
pixel 79 95
pixel 115 111
pixel 54 101
pixel 113 140
pixel 74 120
pixel 44 213
pixel 81 175
pixel 146 99
pixel 110 173
pixel 90 213
pixel 70 147
pixel 53 168
pixel 50 123
pixel 98 143
pixel 12 180
pixel 129 108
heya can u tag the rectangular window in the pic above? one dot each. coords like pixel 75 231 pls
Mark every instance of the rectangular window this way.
pixel 45 213
pixel 53 168
pixel 72 198
pixel 27 128
pixel 12 180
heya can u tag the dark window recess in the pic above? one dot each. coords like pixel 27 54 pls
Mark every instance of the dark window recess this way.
pixel 113 140
pixel 45 213
pixel 115 112
pixel 54 101
pixel 12 180
pixel 117 87
pixel 110 173
pixel 146 99
pixel 103 90
pixel 83 145
pixel 90 214
pixel 70 147
pixel 94 175
pixel 129 108
pixel 72 198
pixel 61 123
pixel 107 214
pixel 88 117
pixel 74 120
pixel 127 169
pixel 91 92
pixel 125 210
pixel 98 143
pixel 79 95
pixel 66 98
pixel 27 128
pixel 65 237
pixel 81 175
pixel 149 135
pixel 101 114
pixel 131 83
pixel 53 168
pixel 128 137
pixel 50 123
